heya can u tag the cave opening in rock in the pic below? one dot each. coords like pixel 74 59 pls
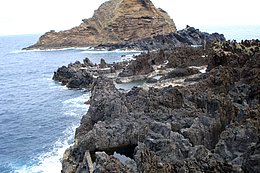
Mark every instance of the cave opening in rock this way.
pixel 120 152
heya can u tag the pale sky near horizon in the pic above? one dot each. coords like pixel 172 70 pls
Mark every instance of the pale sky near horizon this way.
pixel 39 16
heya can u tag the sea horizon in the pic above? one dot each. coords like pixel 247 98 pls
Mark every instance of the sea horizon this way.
pixel 231 32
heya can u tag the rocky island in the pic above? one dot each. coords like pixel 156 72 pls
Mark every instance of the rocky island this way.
pixel 125 24
pixel 114 22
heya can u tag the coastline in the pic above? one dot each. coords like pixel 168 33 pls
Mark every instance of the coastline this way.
pixel 78 54
pixel 130 93
pixel 144 118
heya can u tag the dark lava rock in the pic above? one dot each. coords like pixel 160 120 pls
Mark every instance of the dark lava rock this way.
pixel 88 63
pixel 181 57
pixel 74 76
pixel 140 66
pixel 251 162
pixel 173 50
pixel 103 63
pixel 187 36
pixel 151 80
pixel 210 126
pixel 106 163
pixel 181 72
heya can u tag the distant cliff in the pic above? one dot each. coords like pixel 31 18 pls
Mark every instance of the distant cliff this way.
pixel 114 22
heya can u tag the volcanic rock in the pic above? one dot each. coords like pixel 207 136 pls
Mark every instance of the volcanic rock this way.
pixel 181 72
pixel 187 36
pixel 251 162
pixel 81 75
pixel 106 163
pixel 145 65
pixel 73 77
pixel 172 57
pixel 210 126
pixel 114 22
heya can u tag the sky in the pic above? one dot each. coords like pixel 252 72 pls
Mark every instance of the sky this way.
pixel 39 16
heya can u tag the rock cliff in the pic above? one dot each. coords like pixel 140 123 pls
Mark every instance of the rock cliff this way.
pixel 114 22
pixel 208 126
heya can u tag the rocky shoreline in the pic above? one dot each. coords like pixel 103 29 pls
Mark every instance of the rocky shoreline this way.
pixel 210 124
pixel 197 111
pixel 159 61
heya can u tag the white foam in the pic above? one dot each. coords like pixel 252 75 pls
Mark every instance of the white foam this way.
pixel 51 50
pixel 53 85
pixel 71 113
pixel 203 70
pixel 112 51
pixel 77 102
pixel 50 162
pixel 128 50
pixel 72 106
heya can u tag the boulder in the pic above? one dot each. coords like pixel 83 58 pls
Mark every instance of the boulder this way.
pixel 74 76
pixel 88 63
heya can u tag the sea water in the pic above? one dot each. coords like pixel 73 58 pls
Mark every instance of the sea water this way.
pixel 38 116
pixel 236 32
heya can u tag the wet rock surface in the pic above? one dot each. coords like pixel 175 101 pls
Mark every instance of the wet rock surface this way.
pixel 209 126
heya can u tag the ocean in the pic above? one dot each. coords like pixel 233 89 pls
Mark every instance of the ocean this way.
pixel 236 32
pixel 38 116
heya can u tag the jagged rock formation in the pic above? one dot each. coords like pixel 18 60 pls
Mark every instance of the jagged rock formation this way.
pixel 175 57
pixel 73 76
pixel 187 36
pixel 81 75
pixel 210 126
pixel 115 21
pixel 78 75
